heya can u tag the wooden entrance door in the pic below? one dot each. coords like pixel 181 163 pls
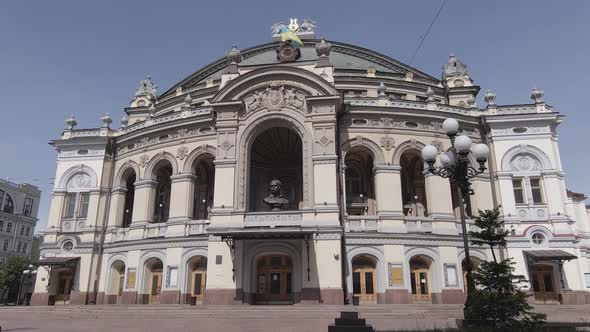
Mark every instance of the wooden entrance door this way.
pixel 363 284
pixel 543 280
pixel 420 283
pixel 274 287
pixel 120 284
pixel 64 287
pixel 155 287
pixel 198 285
pixel 274 280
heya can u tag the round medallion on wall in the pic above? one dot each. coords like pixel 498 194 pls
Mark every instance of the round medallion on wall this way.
pixel 522 213
pixel 540 213
pixel 287 53
pixel 67 246
pixel 67 226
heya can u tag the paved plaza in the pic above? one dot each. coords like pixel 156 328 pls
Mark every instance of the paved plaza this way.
pixel 145 318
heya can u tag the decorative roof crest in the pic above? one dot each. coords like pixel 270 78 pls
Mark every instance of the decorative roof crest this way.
pixel 454 67
pixel 147 87
pixel 305 30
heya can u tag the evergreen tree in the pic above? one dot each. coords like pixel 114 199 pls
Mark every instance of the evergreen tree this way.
pixel 498 302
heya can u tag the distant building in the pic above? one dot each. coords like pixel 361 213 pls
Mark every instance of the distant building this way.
pixel 19 204
pixel 174 206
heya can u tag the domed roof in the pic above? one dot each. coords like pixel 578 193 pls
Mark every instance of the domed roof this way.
pixel 342 56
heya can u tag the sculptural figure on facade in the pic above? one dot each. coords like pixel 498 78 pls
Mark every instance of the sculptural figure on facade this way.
pixel 275 199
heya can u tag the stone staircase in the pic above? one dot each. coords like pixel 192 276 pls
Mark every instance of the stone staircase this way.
pixel 218 318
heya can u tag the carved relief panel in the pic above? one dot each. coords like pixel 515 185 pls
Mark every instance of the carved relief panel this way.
pixel 324 141
pixel 274 96
pixel 226 145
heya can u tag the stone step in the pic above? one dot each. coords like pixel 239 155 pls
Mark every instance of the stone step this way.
pixel 350 322
pixel 333 328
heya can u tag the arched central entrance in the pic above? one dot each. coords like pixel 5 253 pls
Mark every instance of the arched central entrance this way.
pixel 276 154
pixel 274 279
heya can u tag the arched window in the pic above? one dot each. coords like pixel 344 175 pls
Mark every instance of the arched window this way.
pixel 203 198
pixel 526 163
pixel 8 204
pixel 413 185
pixel 360 188
pixel 162 203
pixel 129 198
pixel 78 196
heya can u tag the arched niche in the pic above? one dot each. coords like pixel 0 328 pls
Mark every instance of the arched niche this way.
pixel 261 122
pixel 525 158
pixel 78 177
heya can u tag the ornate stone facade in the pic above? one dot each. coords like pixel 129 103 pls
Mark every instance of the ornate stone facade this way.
pixel 176 190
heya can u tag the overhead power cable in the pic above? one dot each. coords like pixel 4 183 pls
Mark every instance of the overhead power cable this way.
pixel 427 32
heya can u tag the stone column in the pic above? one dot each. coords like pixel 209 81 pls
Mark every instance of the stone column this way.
pixel 183 192
pixel 143 204
pixel 387 190
pixel 116 212
pixel 389 197
pixel 439 203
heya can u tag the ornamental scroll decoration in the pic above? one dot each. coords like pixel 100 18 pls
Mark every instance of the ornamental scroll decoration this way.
pixel 275 96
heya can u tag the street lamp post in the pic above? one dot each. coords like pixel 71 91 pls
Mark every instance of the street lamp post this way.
pixel 456 166
pixel 29 272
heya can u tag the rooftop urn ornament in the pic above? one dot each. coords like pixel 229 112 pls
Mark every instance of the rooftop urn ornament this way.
pixel 124 121
pixel 188 100
pixel 234 56
pixel 106 120
pixel 454 67
pixel 152 110
pixel 430 94
pixel 381 90
pixel 489 98
pixel 275 199
pixel 536 95
pixel 323 48
pixel 71 122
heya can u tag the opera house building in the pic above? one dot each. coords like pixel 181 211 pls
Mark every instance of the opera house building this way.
pixel 291 172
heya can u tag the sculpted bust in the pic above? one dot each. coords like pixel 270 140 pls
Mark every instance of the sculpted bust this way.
pixel 275 199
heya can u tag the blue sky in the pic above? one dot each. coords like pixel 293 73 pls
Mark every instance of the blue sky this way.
pixel 86 58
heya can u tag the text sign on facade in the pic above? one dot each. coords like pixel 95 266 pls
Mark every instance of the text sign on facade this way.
pixel 131 278
pixel 395 274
